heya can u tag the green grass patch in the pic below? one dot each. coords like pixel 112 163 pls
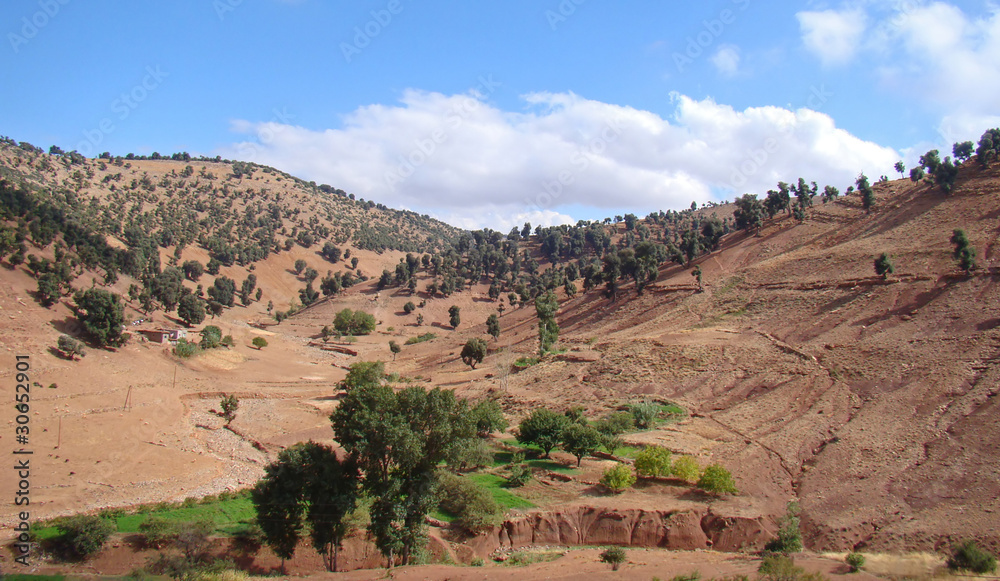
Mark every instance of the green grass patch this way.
pixel 551 466
pixel 229 516
pixel 672 409
pixel 496 485
pixel 420 338
pixel 443 515
pixel 627 451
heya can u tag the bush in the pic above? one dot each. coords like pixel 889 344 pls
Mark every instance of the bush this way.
pixel 855 561
pixel 70 347
pixel 259 342
pixel 717 480
pixel 779 568
pixel 967 556
pixel 469 454
pixel 618 478
pixel 474 352
pixel 613 555
pixel 157 532
pixel 686 468
pixel 185 348
pixel 471 503
pixel 645 414
pixel 211 337
pixel 520 472
pixel 84 536
pixel 653 462
pixel 420 338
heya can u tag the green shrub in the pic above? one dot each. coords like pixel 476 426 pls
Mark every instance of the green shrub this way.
pixel 779 568
pixel 686 468
pixel 968 556
pixel 471 503
pixel 84 536
pixel 211 337
pixel 613 555
pixel 653 462
pixel 693 576
pixel 488 418
pixel 717 480
pixel 523 362
pixel 185 349
pixel 645 414
pixel 420 338
pixel 855 561
pixel 618 478
pixel 157 532
pixel 477 562
pixel 520 472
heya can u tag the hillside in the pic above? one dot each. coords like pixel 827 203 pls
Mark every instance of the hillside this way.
pixel 870 401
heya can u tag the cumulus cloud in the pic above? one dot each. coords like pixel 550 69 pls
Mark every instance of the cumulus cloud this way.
pixel 833 36
pixel 466 161
pixel 727 60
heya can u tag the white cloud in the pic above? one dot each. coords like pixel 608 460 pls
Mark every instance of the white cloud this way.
pixel 727 60
pixel 951 60
pixel 833 36
pixel 468 162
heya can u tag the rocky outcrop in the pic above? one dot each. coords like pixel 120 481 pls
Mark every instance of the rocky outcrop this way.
pixel 585 525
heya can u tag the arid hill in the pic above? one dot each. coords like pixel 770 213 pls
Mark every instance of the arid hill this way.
pixel 871 401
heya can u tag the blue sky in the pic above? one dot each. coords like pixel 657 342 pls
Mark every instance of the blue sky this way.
pixel 493 113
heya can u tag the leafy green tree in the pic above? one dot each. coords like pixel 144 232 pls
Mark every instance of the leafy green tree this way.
pixel 193 270
pixel 469 454
pixel 542 428
pixel 350 322
pixel 775 567
pixel 653 462
pixel 916 174
pixel 493 326
pixel 900 167
pixel 259 342
pixel 580 440
pixel 964 252
pixel 455 316
pixel 300 265
pixel 409 307
pixel 229 404
pixel 989 146
pixel 487 416
pixel 717 480
pixel 211 337
pixel 884 266
pixel 191 310
pixel 548 331
pixel 395 349
pixel 789 539
pixel 223 291
pixel 618 478
pixel 331 252
pixel 102 314
pixel 398 439
pixel 930 161
pixel 474 352
pixel 686 468
pixel 49 289
pixel 830 193
pixel 962 151
pixel 866 191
